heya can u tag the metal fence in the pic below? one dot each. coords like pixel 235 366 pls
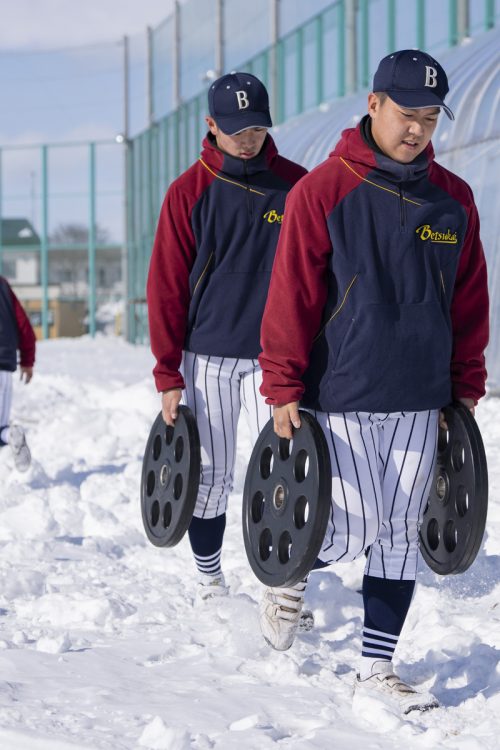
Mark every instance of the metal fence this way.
pixel 93 205
pixel 333 54
pixel 65 241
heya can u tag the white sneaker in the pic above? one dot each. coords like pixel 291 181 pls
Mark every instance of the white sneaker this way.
pixel 19 447
pixel 280 611
pixel 211 586
pixel 385 686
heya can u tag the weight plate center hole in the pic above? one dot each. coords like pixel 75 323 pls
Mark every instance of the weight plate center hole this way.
pixel 279 498
pixel 165 474
pixel 442 488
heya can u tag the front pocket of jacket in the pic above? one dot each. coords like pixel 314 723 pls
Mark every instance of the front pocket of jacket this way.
pixel 396 343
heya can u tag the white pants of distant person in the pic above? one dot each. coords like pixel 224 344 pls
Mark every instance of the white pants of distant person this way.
pixel 382 469
pixel 5 404
pixel 217 389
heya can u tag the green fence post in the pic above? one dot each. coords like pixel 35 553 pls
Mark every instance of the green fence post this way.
pixel 130 203
pixel 299 42
pixel 365 41
pixel 177 143
pixel 186 154
pixel 489 14
pixel 280 81
pixel 265 68
pixel 453 23
pixel 44 245
pixel 319 60
pixel 421 24
pixel 197 126
pixel 341 49
pixel 92 243
pixel 391 26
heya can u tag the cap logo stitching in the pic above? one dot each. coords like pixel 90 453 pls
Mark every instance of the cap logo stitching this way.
pixel 430 77
pixel 242 99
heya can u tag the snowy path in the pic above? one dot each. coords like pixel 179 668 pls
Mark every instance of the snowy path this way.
pixel 103 647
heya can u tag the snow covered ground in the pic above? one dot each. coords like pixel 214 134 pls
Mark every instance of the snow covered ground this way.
pixel 102 645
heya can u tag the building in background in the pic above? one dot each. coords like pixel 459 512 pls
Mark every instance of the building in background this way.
pixel 68 281
pixel 317 60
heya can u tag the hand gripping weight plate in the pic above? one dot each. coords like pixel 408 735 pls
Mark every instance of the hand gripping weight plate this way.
pixel 455 516
pixel 286 502
pixel 170 478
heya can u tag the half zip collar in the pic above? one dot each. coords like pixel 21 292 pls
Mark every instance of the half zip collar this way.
pixel 232 165
pixel 249 196
pixel 358 145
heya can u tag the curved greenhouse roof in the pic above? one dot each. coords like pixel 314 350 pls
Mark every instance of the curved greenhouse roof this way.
pixel 469 146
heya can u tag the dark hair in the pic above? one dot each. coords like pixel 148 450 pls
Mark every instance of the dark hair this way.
pixel 382 95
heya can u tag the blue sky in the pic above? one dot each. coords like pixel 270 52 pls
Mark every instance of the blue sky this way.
pixel 61 77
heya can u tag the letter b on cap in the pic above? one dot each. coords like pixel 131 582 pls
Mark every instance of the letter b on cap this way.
pixel 430 77
pixel 242 99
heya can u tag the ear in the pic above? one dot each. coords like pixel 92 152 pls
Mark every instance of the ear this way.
pixel 212 125
pixel 374 104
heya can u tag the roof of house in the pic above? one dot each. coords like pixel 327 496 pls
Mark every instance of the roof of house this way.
pixel 17 232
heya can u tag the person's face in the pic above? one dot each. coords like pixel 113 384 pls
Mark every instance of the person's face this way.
pixel 401 133
pixel 244 145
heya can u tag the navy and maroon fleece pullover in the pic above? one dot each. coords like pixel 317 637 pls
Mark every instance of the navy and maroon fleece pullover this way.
pixel 212 257
pixel 378 300
pixel 16 331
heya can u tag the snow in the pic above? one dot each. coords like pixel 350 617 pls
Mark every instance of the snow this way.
pixel 103 645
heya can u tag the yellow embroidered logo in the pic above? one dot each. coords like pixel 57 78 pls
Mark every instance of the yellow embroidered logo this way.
pixel 272 216
pixel 425 232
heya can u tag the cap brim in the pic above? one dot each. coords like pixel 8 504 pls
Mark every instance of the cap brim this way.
pixel 234 124
pixel 419 100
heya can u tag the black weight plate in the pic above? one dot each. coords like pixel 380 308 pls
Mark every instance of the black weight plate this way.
pixel 170 478
pixel 455 517
pixel 286 502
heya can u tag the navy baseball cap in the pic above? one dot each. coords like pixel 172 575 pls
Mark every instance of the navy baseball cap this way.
pixel 413 79
pixel 238 101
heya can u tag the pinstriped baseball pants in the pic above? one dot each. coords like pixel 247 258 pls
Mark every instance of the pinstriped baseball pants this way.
pixel 382 468
pixel 217 389
pixel 5 403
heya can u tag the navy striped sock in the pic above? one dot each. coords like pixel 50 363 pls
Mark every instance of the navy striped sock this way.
pixel 206 535
pixel 386 605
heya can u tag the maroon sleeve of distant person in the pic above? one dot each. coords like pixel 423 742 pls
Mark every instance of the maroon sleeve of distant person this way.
pixel 26 334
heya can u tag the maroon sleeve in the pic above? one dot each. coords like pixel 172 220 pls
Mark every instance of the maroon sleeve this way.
pixel 297 295
pixel 168 293
pixel 288 170
pixel 26 334
pixel 470 302
pixel 470 315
